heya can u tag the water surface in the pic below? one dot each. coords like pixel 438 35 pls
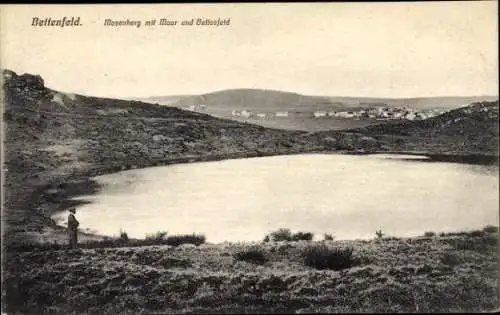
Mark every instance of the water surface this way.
pixel 244 199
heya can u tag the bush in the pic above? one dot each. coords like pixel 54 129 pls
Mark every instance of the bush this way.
pixel 301 236
pixel 490 229
pixel 286 235
pixel 379 234
pixel 281 235
pixel 392 238
pixel 158 236
pixel 177 240
pixel 429 234
pixel 253 255
pixel 324 257
pixel 476 233
pixel 450 259
pixel 328 237
pixel 123 236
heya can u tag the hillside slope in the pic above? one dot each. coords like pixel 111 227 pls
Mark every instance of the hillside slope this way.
pixel 474 128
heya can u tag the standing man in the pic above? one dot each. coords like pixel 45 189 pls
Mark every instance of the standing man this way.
pixel 72 228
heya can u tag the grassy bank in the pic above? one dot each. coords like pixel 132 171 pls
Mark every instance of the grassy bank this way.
pixel 452 272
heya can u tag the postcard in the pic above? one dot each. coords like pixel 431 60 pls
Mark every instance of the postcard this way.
pixel 250 158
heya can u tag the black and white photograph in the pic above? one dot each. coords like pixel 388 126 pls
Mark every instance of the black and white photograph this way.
pixel 250 158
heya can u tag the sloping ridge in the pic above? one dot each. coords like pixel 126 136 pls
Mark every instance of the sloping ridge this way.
pixel 476 120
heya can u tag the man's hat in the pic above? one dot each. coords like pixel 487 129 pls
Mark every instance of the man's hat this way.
pixel 72 210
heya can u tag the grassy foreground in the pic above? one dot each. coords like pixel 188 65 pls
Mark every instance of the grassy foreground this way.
pixel 433 273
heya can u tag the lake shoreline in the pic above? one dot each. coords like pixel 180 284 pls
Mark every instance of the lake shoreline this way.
pixel 462 158
pixel 86 185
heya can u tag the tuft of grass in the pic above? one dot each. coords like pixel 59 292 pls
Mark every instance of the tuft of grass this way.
pixel 195 239
pixel 158 236
pixel 253 255
pixel 429 234
pixel 321 256
pixel 379 234
pixel 328 237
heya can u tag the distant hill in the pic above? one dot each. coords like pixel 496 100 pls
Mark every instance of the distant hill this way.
pixel 254 99
pixel 300 108
pixel 272 101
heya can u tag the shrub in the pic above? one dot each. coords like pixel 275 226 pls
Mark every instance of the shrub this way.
pixel 490 229
pixel 450 259
pixel 123 236
pixel 321 256
pixel 253 255
pixel 158 236
pixel 460 233
pixel 301 236
pixel 177 240
pixel 286 235
pixel 476 233
pixel 328 237
pixel 392 238
pixel 379 234
pixel 429 234
pixel 281 235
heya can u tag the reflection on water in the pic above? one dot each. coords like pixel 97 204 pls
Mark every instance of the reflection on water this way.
pixel 244 199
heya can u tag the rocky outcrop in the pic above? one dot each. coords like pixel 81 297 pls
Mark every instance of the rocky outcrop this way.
pixel 22 82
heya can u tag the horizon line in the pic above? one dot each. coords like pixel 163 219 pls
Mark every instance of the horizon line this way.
pixel 257 89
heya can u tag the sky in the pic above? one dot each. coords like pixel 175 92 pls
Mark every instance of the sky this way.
pixel 413 49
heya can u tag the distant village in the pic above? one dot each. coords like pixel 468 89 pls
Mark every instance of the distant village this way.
pixel 370 112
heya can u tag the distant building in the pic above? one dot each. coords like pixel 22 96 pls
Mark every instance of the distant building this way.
pixel 261 115
pixel 236 112
pixel 319 113
pixel 246 113
pixel 203 107
pixel 281 114
pixel 192 107
pixel 410 116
